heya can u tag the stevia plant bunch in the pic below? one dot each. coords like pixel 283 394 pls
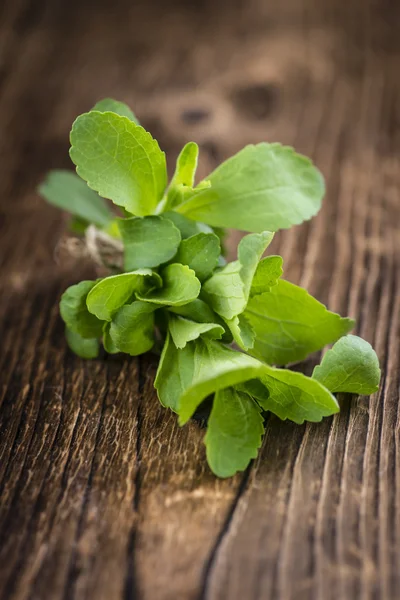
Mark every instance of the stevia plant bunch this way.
pixel 225 328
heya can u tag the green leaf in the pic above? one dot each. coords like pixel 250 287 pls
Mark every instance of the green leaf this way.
pixel 227 291
pixel 108 344
pixel 69 192
pixel 119 160
pixel 292 395
pixel 267 186
pixel 174 373
pixel 224 291
pixel 183 179
pixel 82 347
pixel 111 293
pixel 223 235
pixel 186 226
pixel 215 367
pixel 242 332
pixel 74 311
pixel 132 328
pixel 148 241
pixel 186 165
pixel 180 286
pixel 268 272
pixel 183 331
pixel 198 311
pixel 120 108
pixel 234 432
pixel 250 250
pixel 200 252
pixel 186 377
pixel 350 366
pixel 289 324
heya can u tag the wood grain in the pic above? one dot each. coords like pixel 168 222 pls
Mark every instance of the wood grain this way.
pixel 102 495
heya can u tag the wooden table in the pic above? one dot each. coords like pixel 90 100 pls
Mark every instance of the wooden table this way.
pixel 102 495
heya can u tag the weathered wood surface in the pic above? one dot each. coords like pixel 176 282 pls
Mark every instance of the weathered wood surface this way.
pixel 102 495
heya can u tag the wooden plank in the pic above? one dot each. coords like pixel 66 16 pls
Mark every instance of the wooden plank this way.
pixel 101 494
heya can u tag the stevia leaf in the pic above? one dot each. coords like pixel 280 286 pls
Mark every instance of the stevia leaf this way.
pixel 174 372
pixel 215 367
pixel 234 432
pixel 250 250
pixel 148 241
pixel 82 347
pixel 69 192
pixel 120 108
pixel 255 388
pixel 180 286
pixel 222 234
pixel 187 227
pixel 119 160
pixel 290 324
pixel 200 252
pixel 198 311
pixel 186 165
pixel 242 332
pixel 74 311
pixel 350 366
pixel 132 328
pixel 108 343
pixel 227 291
pixel 268 272
pixel 183 330
pixel 224 291
pixel 186 377
pixel 183 179
pixel 111 293
pixel 266 186
pixel 292 395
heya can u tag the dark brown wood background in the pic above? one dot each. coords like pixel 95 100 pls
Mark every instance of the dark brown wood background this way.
pixel 102 495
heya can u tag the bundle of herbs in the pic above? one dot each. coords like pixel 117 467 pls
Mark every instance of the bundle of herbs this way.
pixel 225 329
